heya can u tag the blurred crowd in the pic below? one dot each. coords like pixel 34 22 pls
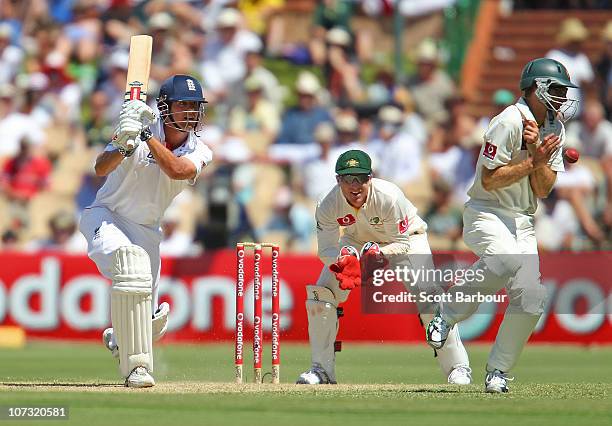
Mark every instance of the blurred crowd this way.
pixel 62 80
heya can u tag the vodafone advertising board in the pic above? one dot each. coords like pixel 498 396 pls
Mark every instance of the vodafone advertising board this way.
pixel 64 297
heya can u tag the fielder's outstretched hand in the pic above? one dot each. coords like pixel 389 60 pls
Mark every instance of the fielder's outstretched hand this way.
pixel 347 269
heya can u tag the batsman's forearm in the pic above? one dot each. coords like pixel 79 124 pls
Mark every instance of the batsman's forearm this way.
pixel 506 175
pixel 107 161
pixel 168 162
pixel 542 181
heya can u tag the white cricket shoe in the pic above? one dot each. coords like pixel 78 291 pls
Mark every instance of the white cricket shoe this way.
pixel 108 338
pixel 139 378
pixel 315 376
pixel 497 381
pixel 460 376
pixel 437 331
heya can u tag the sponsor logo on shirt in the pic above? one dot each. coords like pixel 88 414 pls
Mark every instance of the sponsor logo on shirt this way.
pixel 402 225
pixel 489 151
pixel 374 221
pixel 347 220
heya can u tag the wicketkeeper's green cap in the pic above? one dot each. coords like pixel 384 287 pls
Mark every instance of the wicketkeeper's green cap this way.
pixel 354 162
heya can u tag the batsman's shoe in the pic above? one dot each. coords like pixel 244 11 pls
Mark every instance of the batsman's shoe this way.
pixel 139 378
pixel 460 376
pixel 437 332
pixel 109 342
pixel 315 376
pixel 497 381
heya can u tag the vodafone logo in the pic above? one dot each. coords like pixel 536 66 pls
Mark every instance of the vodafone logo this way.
pixel 403 225
pixel 347 220
pixel 489 151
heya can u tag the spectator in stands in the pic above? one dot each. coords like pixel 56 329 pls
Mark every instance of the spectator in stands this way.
pixel 14 125
pixel 300 122
pixel 444 218
pixel 272 89
pixel 114 86
pixel 430 86
pixel 570 53
pixel 11 56
pixel 10 241
pixel 224 62
pixel 26 174
pixel 175 243
pixel 347 129
pixel 64 236
pixel 37 104
pixel 604 70
pixel 227 47
pixel 259 14
pixel 327 15
pixel 290 218
pixel 398 153
pixel 98 128
pixel 592 135
pixel 450 147
pixel 413 122
pixel 257 124
pixel 318 175
pixel 569 213
pixel 341 71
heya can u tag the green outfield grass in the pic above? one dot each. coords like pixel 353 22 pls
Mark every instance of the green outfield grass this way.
pixel 381 384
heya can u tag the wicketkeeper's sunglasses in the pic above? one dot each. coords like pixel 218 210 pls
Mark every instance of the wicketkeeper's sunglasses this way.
pixel 350 179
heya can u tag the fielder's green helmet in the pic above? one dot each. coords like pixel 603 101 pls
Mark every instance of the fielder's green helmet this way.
pixel 553 71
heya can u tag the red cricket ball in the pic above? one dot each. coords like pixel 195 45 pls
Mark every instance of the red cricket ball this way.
pixel 571 155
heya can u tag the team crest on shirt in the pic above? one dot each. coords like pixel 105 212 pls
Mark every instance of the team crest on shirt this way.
pixel 347 220
pixel 489 151
pixel 375 221
pixel 402 225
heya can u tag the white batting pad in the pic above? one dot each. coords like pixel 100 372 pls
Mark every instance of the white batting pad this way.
pixel 160 321
pixel 322 327
pixel 131 308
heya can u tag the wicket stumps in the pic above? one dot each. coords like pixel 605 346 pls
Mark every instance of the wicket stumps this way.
pixel 257 311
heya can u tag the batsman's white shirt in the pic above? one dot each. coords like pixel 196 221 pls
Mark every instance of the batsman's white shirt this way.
pixel 503 144
pixel 139 190
pixel 128 208
pixel 387 218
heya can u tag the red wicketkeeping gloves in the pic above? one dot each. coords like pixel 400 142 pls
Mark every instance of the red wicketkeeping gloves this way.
pixel 347 268
pixel 371 259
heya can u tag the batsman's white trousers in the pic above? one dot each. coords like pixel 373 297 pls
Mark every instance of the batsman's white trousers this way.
pixel 106 231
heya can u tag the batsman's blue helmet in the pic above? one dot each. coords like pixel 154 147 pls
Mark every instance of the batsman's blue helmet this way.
pixel 182 88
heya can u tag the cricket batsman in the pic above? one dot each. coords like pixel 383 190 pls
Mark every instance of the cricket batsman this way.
pixel 518 164
pixel 122 226
pixel 379 226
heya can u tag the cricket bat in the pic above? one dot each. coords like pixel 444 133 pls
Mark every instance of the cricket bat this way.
pixel 139 67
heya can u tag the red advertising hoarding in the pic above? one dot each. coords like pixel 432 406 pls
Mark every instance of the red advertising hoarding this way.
pixel 64 297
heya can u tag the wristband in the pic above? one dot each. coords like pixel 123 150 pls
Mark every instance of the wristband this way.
pixel 146 134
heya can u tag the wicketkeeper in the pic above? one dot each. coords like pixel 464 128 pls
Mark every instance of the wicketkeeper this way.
pixel 122 226
pixel 379 226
